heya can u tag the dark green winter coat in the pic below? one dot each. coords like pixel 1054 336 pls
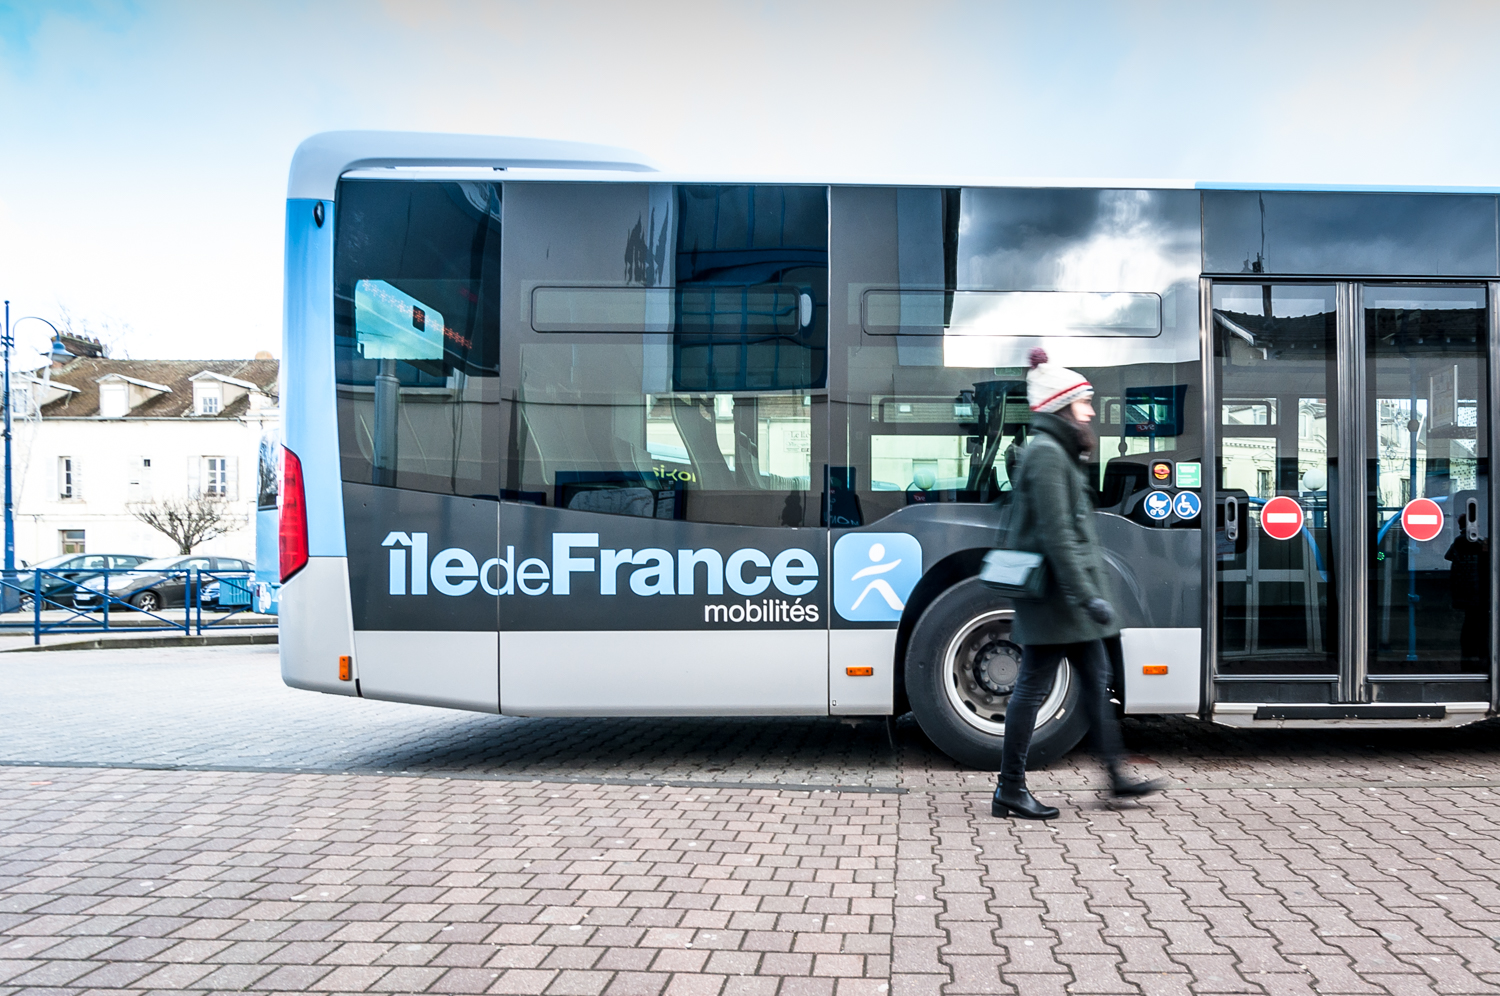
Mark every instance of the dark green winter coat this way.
pixel 1053 514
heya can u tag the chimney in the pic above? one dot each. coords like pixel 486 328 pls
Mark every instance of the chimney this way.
pixel 79 345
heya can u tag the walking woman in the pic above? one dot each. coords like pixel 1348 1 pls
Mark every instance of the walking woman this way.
pixel 1054 515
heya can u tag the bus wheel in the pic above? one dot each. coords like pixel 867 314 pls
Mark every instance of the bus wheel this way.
pixel 961 667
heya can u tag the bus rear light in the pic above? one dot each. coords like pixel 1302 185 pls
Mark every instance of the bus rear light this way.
pixel 859 672
pixel 346 668
pixel 293 516
pixel 1154 669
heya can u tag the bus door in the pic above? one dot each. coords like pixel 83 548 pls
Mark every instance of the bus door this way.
pixel 1425 412
pixel 1368 586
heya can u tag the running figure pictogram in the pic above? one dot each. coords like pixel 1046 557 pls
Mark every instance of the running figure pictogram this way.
pixel 880 586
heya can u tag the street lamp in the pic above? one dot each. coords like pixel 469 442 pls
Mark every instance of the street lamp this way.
pixel 12 597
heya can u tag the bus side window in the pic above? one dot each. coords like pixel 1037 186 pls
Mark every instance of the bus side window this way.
pixel 687 384
pixel 416 323
pixel 942 294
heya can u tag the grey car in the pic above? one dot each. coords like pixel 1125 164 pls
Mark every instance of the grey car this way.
pixel 158 584
pixel 62 575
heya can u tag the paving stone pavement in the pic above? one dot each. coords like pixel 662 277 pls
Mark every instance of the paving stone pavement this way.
pixel 156 837
pixel 226 706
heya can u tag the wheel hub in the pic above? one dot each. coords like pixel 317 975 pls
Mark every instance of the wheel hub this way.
pixel 996 666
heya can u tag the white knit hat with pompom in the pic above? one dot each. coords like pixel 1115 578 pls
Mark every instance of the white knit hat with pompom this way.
pixel 1051 388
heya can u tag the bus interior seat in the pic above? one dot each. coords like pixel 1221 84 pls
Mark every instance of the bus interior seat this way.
pixel 1123 477
pixel 579 440
pixel 694 419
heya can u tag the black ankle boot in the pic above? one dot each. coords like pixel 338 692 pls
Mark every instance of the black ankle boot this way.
pixel 1122 787
pixel 1019 802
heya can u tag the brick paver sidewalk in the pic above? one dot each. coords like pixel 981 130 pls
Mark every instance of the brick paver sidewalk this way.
pixel 198 881
pixel 805 857
pixel 1327 891
pixel 211 881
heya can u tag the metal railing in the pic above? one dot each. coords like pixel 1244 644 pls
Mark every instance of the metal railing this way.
pixel 105 610
pixel 235 594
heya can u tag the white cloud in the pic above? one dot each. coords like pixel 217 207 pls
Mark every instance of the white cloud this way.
pixel 147 144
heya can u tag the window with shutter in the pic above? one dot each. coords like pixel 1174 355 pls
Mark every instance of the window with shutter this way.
pixel 140 479
pixel 216 476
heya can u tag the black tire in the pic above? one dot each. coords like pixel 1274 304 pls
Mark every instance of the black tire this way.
pixel 960 665
pixel 146 601
pixel 28 603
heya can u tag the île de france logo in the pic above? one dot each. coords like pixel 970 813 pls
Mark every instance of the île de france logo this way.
pixel 874 574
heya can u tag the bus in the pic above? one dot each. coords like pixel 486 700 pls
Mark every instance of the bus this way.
pixel 569 435
pixel 265 590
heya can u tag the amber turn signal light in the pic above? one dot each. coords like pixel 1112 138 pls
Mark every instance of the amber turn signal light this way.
pixel 346 669
pixel 1154 669
pixel 859 672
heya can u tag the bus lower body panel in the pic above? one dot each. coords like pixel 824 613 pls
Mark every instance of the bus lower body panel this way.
pixel 1163 670
pixel 316 627
pixel 455 669
pixel 861 672
pixel 664 673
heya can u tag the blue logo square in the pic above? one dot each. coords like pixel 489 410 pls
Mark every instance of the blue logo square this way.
pixel 874 574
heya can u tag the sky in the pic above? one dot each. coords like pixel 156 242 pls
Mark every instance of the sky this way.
pixel 144 146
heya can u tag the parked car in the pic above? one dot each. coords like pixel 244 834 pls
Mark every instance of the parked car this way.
pixel 159 584
pixel 229 589
pixel 62 575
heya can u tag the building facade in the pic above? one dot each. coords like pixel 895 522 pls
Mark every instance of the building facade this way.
pixel 95 438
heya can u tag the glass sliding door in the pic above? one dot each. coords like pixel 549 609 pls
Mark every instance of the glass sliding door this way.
pixel 1374 585
pixel 1276 389
pixel 1426 486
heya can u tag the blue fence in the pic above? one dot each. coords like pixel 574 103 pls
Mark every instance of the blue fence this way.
pixel 111 601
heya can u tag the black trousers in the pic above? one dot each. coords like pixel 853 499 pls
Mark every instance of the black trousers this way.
pixel 1038 669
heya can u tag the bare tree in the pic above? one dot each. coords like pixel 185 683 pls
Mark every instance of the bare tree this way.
pixel 188 521
pixel 111 332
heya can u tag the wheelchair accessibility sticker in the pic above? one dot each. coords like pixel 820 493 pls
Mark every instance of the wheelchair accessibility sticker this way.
pixel 1186 505
pixel 874 574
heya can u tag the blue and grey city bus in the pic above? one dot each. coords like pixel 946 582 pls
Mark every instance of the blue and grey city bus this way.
pixel 266 588
pixel 570 436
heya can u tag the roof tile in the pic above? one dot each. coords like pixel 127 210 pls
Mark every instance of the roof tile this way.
pixel 84 372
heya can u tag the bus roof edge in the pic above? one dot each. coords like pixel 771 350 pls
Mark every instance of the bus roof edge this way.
pixel 321 159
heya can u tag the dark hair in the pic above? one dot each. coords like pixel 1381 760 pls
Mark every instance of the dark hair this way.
pixel 1085 435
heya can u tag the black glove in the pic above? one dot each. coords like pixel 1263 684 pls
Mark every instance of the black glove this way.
pixel 1100 611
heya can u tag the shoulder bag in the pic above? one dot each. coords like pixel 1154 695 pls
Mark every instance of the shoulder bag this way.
pixel 1015 574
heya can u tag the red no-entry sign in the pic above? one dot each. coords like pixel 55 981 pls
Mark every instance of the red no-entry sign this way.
pixel 1422 518
pixel 1281 518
